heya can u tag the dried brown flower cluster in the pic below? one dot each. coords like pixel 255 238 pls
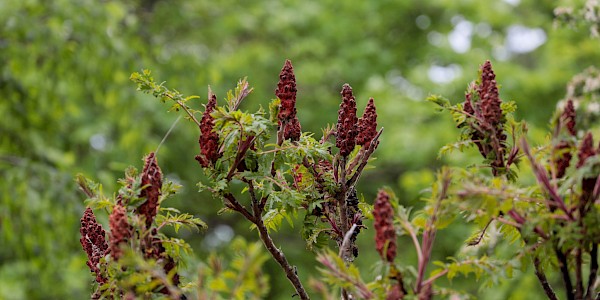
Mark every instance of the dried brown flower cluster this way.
pixel 209 139
pixel 347 121
pixel 93 241
pixel 151 186
pixel 487 127
pixel 120 231
pixel 385 235
pixel 286 92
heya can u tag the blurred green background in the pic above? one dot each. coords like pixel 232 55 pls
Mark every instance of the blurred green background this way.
pixel 67 106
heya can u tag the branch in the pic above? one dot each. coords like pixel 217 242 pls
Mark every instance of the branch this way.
pixel 543 280
pixel 232 203
pixel 372 146
pixel 564 268
pixel 346 242
pixel 593 272
pixel 290 271
pixel 540 175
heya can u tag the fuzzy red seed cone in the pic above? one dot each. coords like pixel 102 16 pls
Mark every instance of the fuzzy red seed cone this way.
pixel 120 231
pixel 385 234
pixel 562 158
pixel 488 96
pixel 93 241
pixel 568 118
pixel 292 130
pixel 347 121
pixel 209 139
pixel 152 184
pixel 367 125
pixel 286 92
pixel 586 149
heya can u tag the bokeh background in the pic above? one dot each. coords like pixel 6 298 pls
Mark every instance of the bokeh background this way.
pixel 67 106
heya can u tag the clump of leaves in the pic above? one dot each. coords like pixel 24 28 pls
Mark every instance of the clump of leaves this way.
pixel 135 259
pixel 295 173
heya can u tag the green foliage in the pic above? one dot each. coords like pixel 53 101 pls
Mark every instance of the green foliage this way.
pixel 236 277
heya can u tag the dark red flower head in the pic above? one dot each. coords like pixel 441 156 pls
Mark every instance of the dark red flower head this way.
pixel 562 158
pixel 568 118
pixel 367 125
pixel 292 130
pixel 488 95
pixel 385 234
pixel 586 149
pixel 347 121
pixel 120 231
pixel 286 92
pixel 209 139
pixel 151 186
pixel 93 241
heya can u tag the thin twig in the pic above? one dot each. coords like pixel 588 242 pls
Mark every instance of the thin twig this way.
pixel 184 107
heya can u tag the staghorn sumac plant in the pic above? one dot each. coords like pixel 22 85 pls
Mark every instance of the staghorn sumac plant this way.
pixel 134 258
pixel 264 168
pixel 281 171
pixel 553 224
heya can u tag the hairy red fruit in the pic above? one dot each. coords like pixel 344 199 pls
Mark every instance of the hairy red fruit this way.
pixel 286 92
pixel 347 121
pixel 93 241
pixel 209 139
pixel 568 118
pixel 120 230
pixel 152 184
pixel 385 235
pixel 562 158
pixel 488 96
pixel 586 149
pixel 292 130
pixel 367 124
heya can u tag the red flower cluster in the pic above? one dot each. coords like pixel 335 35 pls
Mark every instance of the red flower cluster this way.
pixel 568 117
pixel 367 125
pixel 286 92
pixel 489 97
pixel 586 149
pixel 151 184
pixel 385 234
pixel 119 230
pixel 209 139
pixel 562 149
pixel 93 241
pixel 347 121
pixel 487 116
